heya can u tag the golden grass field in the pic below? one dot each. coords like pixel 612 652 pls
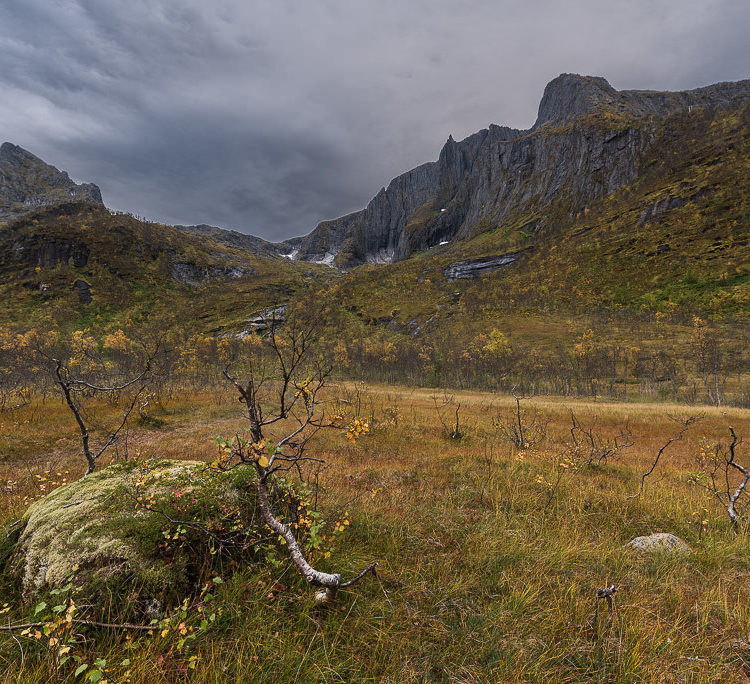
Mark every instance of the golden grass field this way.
pixel 490 556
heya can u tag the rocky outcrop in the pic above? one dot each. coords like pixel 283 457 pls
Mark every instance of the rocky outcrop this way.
pixel 664 205
pixel 83 290
pixel 261 322
pixel 52 251
pixel 473 268
pixel 95 531
pixel 187 273
pixel 588 140
pixel 27 183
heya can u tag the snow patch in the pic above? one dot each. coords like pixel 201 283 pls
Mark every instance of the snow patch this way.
pixel 327 260
pixel 292 255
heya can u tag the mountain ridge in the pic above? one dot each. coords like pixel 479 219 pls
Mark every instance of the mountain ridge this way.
pixel 588 139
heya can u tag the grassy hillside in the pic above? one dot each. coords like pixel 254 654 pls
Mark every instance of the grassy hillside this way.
pixel 134 271
pixel 691 258
pixel 635 267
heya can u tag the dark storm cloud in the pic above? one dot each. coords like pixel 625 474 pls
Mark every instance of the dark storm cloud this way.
pixel 271 116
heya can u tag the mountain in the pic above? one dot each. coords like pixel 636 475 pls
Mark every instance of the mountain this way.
pixel 233 238
pixel 77 264
pixel 65 256
pixel 588 140
pixel 26 183
pixel 614 207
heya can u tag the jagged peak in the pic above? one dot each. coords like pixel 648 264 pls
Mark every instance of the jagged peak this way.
pixel 571 95
pixel 9 151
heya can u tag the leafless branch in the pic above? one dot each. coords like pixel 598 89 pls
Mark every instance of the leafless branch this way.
pixel 686 424
pixel 745 475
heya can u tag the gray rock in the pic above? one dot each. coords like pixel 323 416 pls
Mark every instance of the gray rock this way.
pixel 187 273
pixel 53 252
pixel 262 321
pixel 664 205
pixel 660 542
pixel 83 289
pixel 473 268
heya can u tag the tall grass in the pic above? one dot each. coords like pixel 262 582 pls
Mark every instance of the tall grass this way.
pixel 488 570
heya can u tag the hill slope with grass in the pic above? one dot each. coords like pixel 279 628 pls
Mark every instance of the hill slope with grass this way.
pixel 78 264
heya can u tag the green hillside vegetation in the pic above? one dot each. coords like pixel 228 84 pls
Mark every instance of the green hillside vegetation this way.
pixel 604 258
pixel 637 280
pixel 136 271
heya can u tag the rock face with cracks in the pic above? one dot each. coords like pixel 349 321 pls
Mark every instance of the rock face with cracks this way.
pixel 112 529
pixel 589 139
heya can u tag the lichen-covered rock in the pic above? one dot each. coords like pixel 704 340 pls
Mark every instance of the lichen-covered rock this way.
pixel 661 542
pixel 113 528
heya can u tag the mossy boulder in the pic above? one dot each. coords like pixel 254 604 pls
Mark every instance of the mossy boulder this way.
pixel 150 530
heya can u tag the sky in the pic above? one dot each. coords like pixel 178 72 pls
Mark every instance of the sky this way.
pixel 269 116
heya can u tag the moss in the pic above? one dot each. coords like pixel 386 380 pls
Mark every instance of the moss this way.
pixel 113 528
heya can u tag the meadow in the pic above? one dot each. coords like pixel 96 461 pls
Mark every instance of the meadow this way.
pixel 489 555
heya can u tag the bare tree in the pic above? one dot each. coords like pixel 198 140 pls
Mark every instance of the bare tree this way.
pixel 685 424
pixel 521 429
pixel 81 372
pixel 716 466
pixel 589 447
pixel 709 360
pixel 281 393
pixel 71 386
pixel 449 431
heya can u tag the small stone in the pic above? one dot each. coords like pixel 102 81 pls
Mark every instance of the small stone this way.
pixel 660 542
pixel 83 289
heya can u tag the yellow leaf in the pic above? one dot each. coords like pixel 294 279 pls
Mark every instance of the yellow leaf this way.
pixel 263 461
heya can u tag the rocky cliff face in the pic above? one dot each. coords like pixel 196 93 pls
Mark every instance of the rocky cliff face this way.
pixel 26 183
pixel 588 140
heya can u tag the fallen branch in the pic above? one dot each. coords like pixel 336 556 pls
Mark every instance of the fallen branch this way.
pixel 90 623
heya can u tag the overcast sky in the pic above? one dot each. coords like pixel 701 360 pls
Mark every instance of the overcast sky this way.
pixel 268 117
